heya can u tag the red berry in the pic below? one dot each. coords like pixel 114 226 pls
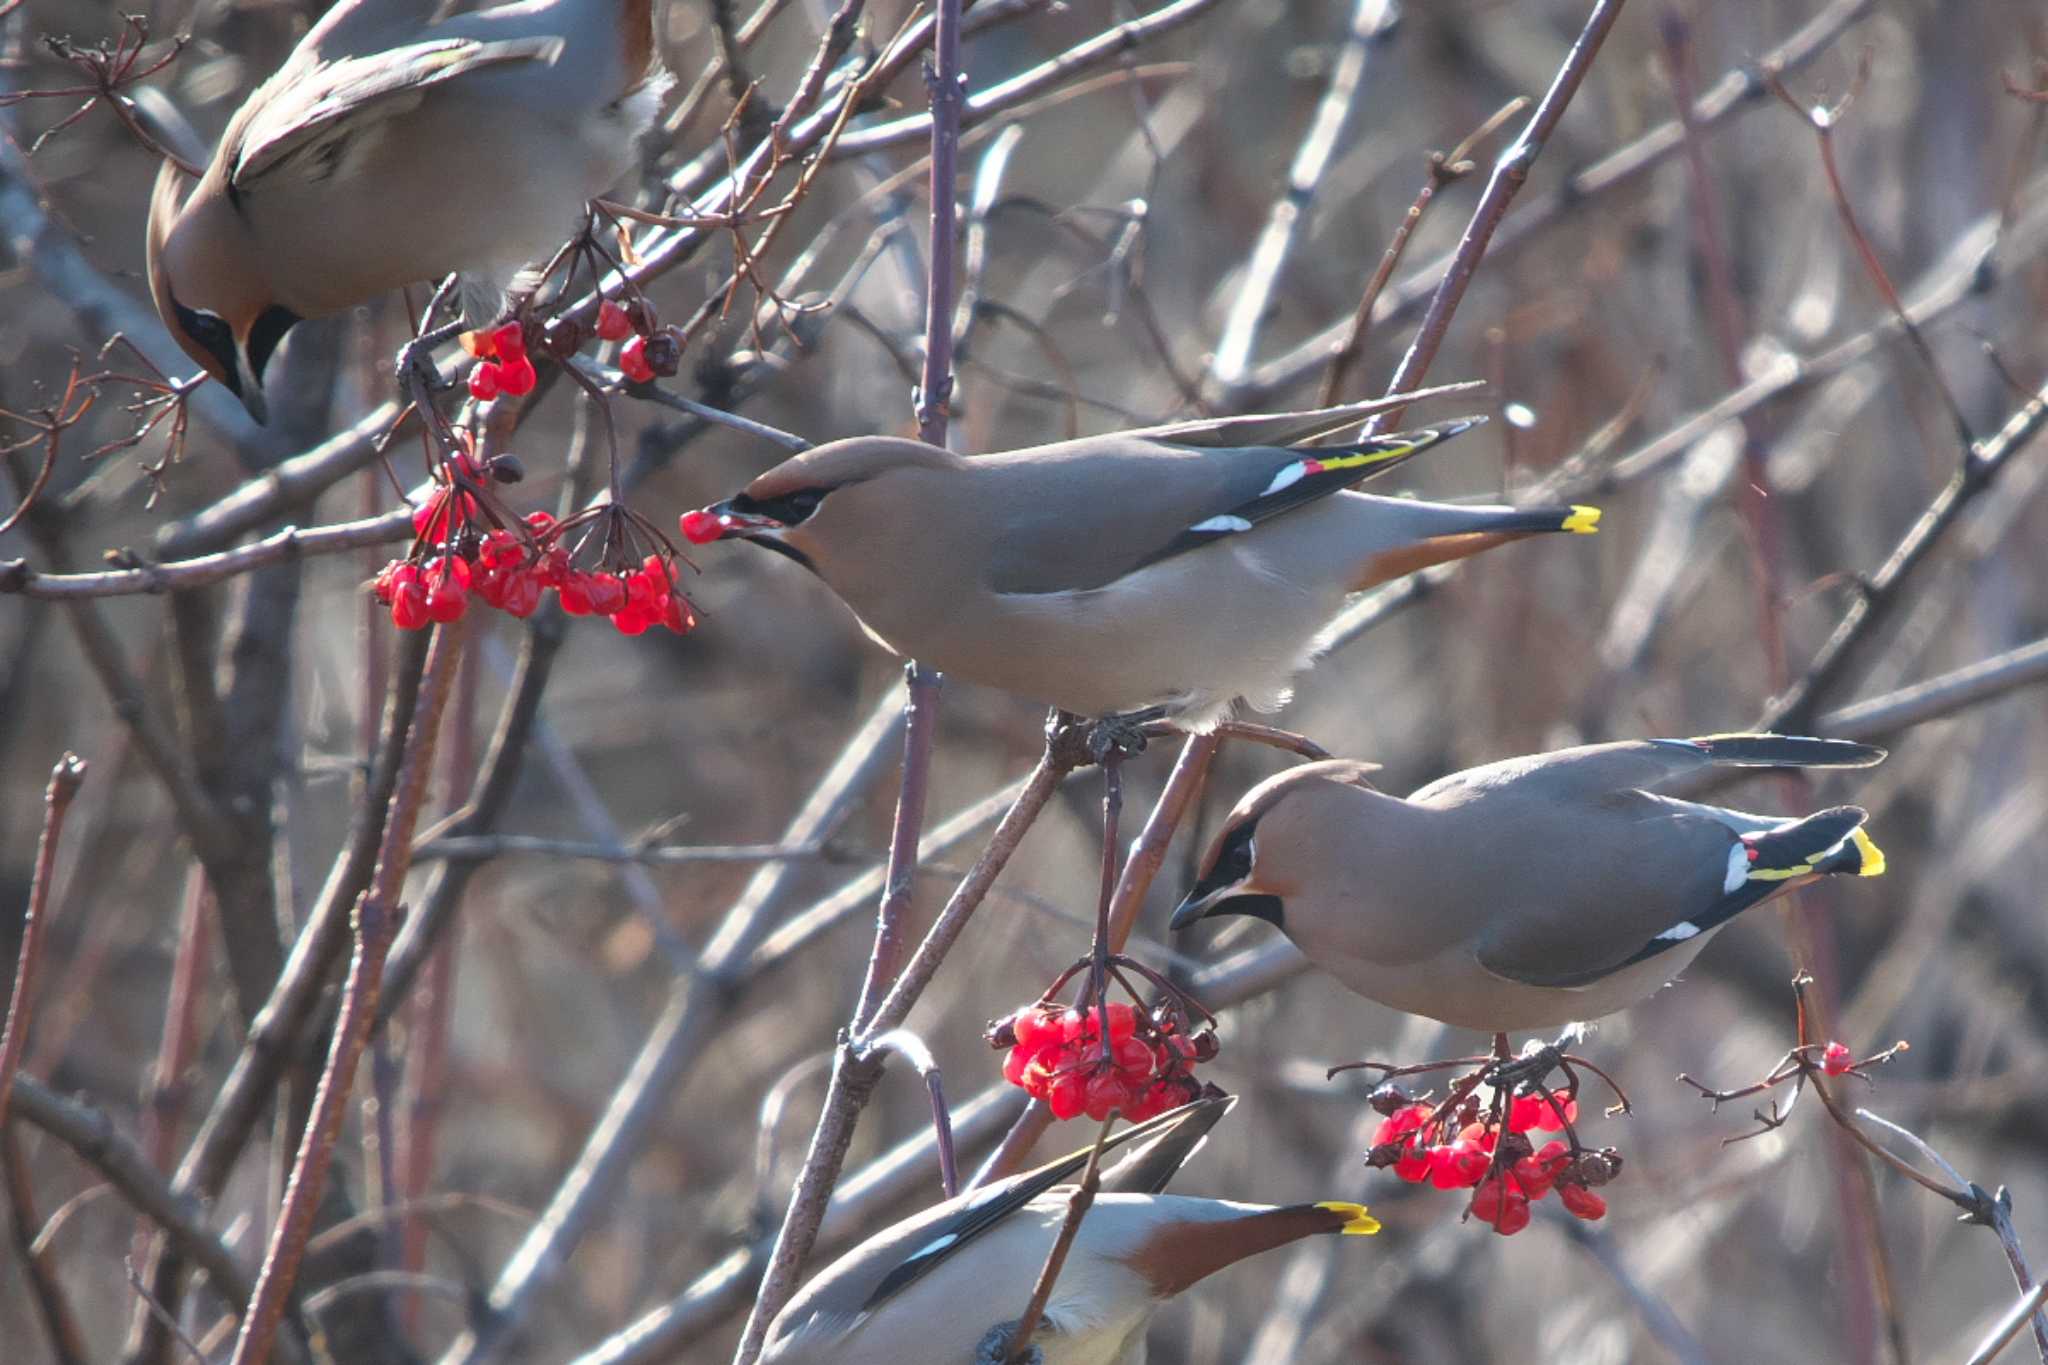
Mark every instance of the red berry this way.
pixel 1836 1059
pixel 677 616
pixel 1106 1091
pixel 482 345
pixel 1548 1113
pixel 612 322
pixel 1014 1064
pixel 1506 1211
pixel 1133 1056
pixel 1523 1112
pixel 633 361
pixel 389 577
pixel 486 381
pixel 516 376
pixel 447 584
pixel 1413 1165
pixel 1030 1026
pixel 1534 1176
pixel 701 527
pixel 409 606
pixel 1481 1135
pixel 574 592
pixel 631 621
pixel 607 593
pixel 1582 1202
pixel 520 594
pixel 1068 1095
pixel 509 338
pixel 540 523
pixel 1457 1165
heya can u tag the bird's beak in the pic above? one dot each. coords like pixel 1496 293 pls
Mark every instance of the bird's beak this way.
pixel 1219 894
pixel 720 522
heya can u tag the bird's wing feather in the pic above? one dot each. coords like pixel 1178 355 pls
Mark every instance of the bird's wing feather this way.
pixel 1592 770
pixel 1685 871
pixel 1287 428
pixel 339 98
pixel 1083 514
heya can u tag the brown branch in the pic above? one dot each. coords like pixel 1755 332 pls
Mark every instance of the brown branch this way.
pixel 1509 173
pixel 376 924
pixel 64 783
pixel 283 547
pixel 94 1140
pixel 1444 168
pixel 1078 1205
pixel 1882 595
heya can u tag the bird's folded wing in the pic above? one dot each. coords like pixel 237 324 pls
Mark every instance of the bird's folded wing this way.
pixel 1090 513
pixel 337 98
pixel 1288 428
pixel 1597 769
pixel 1630 878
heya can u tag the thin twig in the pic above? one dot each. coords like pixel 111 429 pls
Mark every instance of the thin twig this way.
pixel 65 779
pixel 1509 172
pixel 1078 1205
pixel 376 920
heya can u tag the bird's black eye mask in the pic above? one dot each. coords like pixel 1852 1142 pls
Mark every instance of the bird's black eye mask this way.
pixel 791 509
pixel 213 335
pixel 1233 865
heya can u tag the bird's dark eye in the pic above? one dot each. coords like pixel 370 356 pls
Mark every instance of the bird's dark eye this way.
pixel 212 335
pixel 264 336
pixel 791 509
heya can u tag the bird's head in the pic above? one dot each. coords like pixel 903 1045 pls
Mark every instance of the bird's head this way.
pixel 208 285
pixel 811 502
pixel 1248 867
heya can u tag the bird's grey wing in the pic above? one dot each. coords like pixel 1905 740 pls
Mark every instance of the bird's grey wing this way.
pixel 1592 770
pixel 305 125
pixel 1082 514
pixel 1287 428
pixel 1148 1167
pixel 1658 873
pixel 1611 879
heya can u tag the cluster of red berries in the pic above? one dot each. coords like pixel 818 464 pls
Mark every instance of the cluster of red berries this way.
pixel 651 350
pixel 1056 1054
pixel 1466 1149
pixel 506 367
pixel 454 558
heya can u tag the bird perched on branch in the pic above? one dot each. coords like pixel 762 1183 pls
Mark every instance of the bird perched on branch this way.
pixel 947 1284
pixel 1526 893
pixel 390 148
pixel 1167 571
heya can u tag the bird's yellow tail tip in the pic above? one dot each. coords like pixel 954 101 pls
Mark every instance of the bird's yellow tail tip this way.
pixel 1357 1222
pixel 1873 856
pixel 1584 521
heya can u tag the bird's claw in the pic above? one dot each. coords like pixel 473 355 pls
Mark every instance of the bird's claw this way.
pixel 994 1349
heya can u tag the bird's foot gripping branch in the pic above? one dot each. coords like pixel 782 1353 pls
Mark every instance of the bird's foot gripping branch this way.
pixel 1482 1136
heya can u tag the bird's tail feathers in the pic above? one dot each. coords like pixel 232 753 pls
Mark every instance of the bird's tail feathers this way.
pixel 1356 1219
pixel 1831 841
pixel 1787 751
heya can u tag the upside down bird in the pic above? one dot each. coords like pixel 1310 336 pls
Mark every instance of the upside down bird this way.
pixel 1168 571
pixel 939 1286
pixel 1527 893
pixel 389 149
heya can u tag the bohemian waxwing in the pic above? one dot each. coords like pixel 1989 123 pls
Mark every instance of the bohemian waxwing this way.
pixel 1526 893
pixel 390 148
pixel 1173 570
pixel 946 1286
